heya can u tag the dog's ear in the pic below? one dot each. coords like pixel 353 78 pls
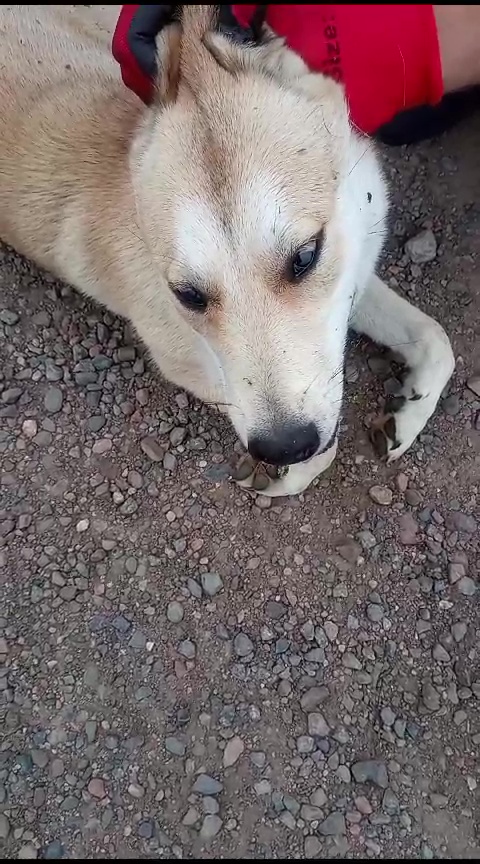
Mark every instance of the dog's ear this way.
pixel 258 49
pixel 168 44
pixel 180 50
pixel 238 49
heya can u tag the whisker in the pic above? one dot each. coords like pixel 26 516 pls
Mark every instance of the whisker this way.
pixel 222 405
pixel 333 377
pixel 399 344
pixel 358 161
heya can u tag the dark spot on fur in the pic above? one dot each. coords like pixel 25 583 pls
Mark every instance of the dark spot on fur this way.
pixel 394 403
pixel 391 430
pixel 369 197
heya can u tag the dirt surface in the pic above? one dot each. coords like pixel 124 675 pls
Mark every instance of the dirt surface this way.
pixel 192 673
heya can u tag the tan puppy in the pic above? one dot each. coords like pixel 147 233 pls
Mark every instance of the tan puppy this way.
pixel 237 223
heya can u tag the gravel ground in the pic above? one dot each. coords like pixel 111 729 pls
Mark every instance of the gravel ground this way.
pixel 192 673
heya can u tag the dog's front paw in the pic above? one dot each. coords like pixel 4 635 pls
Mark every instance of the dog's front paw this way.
pixel 278 482
pixel 405 417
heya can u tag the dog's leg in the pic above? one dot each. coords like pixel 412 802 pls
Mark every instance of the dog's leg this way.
pixel 390 321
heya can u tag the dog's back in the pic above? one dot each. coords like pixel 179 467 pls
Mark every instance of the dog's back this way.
pixel 49 41
pixel 59 84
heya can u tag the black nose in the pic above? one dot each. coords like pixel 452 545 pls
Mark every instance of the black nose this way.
pixel 285 445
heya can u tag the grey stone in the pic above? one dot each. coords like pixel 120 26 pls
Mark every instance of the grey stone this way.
pixel 333 825
pixel 175 612
pixel 211 826
pixel 191 817
pixel 473 384
pixel 69 803
pixel 121 624
pixel 318 798
pixel 53 400
pixel 440 654
pixel 26 851
pixel 175 746
pixel 146 829
pixel 459 630
pixel 233 751
pixel 430 696
pixel 194 588
pixel 350 661
pixel 96 422
pixel 312 847
pixel 281 646
pixel 455 572
pixel 263 787
pixel 242 645
pixel 451 405
pixel 291 804
pixel 305 744
pixel 137 640
pixel 310 813
pixel 53 850
pixel 275 610
pixel 381 495
pixel 258 758
pixel 370 771
pixel 187 649
pixel 4 827
pixel 39 758
pixel 211 583
pixel 422 248
pixel 388 716
pixel 390 803
pixel 375 613
pixel 312 698
pixel 317 725
pixel 466 586
pixel 152 449
pixel 210 805
pixel 11 396
pixel 7 316
pixel 463 522
pixel 206 785
pixel 288 820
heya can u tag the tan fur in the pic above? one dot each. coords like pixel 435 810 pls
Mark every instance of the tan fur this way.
pixel 89 178
pixel 243 158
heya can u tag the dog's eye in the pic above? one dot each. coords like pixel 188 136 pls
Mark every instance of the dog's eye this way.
pixel 305 258
pixel 191 298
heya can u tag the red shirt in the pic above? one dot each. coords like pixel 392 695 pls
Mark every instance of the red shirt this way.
pixel 386 56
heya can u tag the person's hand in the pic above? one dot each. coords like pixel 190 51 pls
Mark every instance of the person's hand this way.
pixel 134 40
pixel 134 45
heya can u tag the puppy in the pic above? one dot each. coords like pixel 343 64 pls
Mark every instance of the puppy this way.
pixel 236 223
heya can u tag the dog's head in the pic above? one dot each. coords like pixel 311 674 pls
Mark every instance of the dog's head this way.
pixel 239 195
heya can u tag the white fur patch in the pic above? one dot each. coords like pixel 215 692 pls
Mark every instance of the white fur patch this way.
pixel 255 223
pixel 200 239
pixel 262 218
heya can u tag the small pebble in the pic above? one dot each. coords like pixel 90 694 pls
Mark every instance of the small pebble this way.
pixel 381 495
pixel 175 612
